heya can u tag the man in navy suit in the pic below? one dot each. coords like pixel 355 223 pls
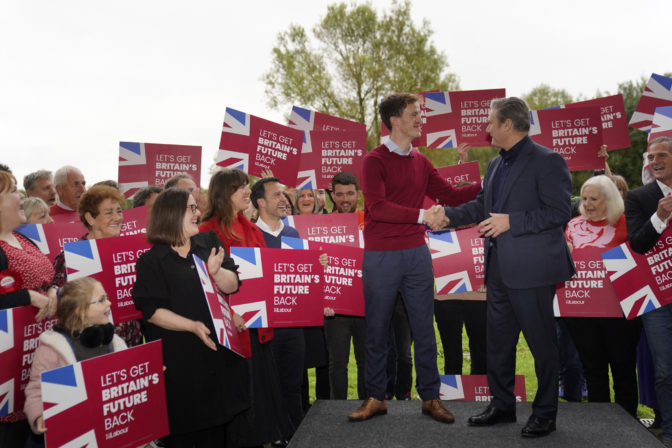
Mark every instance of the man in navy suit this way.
pixel 522 212
pixel 647 215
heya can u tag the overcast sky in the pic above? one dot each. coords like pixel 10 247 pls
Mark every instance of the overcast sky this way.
pixel 77 77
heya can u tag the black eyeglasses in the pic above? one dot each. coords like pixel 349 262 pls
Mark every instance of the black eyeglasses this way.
pixel 193 208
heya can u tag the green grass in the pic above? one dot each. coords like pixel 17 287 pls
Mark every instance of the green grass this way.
pixel 524 366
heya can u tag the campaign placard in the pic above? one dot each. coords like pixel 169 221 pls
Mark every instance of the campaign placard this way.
pixel 50 238
pixel 658 93
pixel 475 388
pixel 135 221
pixel 459 174
pixel 457 257
pixel 642 283
pixel 222 317
pixel 280 287
pixel 310 120
pixel 662 123
pixel 327 153
pixel 335 228
pixel 116 400
pixel 575 134
pixel 589 293
pixel 343 287
pixel 143 164
pixel 111 261
pixel 19 338
pixel 615 133
pixel 473 108
pixel 253 144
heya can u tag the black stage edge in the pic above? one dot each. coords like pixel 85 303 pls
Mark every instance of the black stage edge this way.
pixel 589 425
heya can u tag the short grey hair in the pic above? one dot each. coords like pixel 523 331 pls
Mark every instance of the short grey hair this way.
pixel 316 207
pixel 61 174
pixel 664 140
pixel 30 179
pixel 514 109
pixel 173 181
pixel 612 197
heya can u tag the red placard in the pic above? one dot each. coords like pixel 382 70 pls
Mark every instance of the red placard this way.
pixel 111 261
pixel 335 228
pixel 457 257
pixel 327 153
pixel 280 287
pixel 574 133
pixel 475 388
pixel 473 108
pixel 309 120
pixel 589 293
pixel 135 221
pixel 642 283
pixel 343 287
pixel 615 133
pixel 115 400
pixel 49 238
pixel 222 317
pixel 455 175
pixel 143 164
pixel 253 144
pixel 19 337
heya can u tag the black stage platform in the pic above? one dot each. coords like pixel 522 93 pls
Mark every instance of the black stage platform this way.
pixel 591 425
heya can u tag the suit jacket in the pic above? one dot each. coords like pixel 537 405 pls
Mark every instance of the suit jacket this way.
pixel 640 204
pixel 536 196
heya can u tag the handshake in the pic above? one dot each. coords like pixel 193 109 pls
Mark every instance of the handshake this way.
pixel 435 218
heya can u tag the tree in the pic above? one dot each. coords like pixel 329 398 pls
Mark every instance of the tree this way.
pixel 360 57
pixel 544 96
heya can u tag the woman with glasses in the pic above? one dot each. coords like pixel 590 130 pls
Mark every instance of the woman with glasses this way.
pixel 83 332
pixel 206 384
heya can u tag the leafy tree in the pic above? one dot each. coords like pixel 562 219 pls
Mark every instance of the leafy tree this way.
pixel 544 96
pixel 355 57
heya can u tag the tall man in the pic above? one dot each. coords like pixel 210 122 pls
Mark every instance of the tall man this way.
pixel 396 258
pixel 70 186
pixel 522 211
pixel 40 184
pixel 647 215
pixel 184 180
pixel 342 329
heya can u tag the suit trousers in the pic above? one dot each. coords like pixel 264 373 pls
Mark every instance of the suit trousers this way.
pixel 339 331
pixel 508 312
pixel 408 271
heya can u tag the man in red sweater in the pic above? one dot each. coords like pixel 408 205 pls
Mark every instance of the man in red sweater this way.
pixel 396 257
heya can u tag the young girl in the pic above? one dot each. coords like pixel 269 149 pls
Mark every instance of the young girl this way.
pixel 84 331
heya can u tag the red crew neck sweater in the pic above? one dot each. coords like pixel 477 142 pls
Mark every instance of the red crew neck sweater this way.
pixel 394 187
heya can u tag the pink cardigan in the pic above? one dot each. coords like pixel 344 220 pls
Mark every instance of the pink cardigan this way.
pixel 54 351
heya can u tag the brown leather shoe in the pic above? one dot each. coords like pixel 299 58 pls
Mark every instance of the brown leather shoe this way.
pixel 437 410
pixel 369 408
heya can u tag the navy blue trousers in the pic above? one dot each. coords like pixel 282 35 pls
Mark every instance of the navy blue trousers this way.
pixel 508 312
pixel 408 271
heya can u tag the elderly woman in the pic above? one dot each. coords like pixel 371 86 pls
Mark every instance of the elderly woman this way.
pixel 101 213
pixel 267 421
pixel 83 332
pixel 604 343
pixel 26 278
pixel 36 211
pixel 206 384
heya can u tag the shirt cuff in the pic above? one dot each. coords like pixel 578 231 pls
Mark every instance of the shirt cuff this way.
pixel 658 225
pixel 421 216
